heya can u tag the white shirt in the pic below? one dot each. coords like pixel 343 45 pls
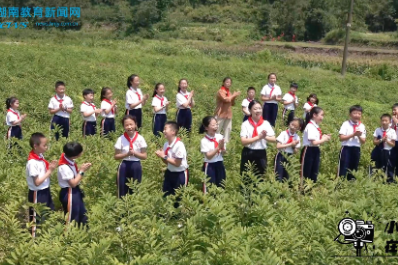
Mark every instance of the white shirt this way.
pixel 348 128
pixel 66 102
pixel 85 106
pixel 283 138
pixel 36 168
pixel 288 97
pixel 11 117
pixel 123 145
pixel 132 97
pixel 307 108
pixel 65 173
pixel 245 104
pixel 391 135
pixel 206 145
pixel 177 150
pixel 156 102
pixel 267 90
pixel 247 131
pixel 104 106
pixel 181 99
pixel 311 133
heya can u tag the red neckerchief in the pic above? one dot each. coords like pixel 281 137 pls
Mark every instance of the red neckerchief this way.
pixel 384 132
pixel 272 90
pixel 110 103
pixel 89 104
pixel 186 96
pixel 226 90
pixel 291 136
pixel 162 99
pixel 293 95
pixel 319 130
pixel 33 155
pixel 250 100
pixel 63 161
pixel 310 103
pixel 355 125
pixel 13 112
pixel 136 92
pixel 255 125
pixel 212 140
pixel 59 100
pixel 131 141
pixel 168 148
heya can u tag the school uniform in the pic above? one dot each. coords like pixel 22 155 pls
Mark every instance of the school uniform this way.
pixel 108 120
pixel 130 168
pixel 61 118
pixel 255 152
pixel 184 115
pixel 310 155
pixel 89 126
pixel 133 96
pixel 307 108
pixel 214 167
pixel 71 198
pixel 160 117
pixel 381 154
pixel 394 151
pixel 175 177
pixel 37 166
pixel 288 110
pixel 350 152
pixel 245 104
pixel 284 137
pixel 13 130
pixel 270 109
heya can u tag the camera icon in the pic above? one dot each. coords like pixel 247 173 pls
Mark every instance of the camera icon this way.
pixel 356 232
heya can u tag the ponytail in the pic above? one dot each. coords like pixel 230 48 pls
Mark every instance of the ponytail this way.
pixel 155 90
pixel 301 123
pixel 315 110
pixel 10 101
pixel 205 123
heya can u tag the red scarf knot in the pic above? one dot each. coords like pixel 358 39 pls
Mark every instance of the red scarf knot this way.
pixel 63 161
pixel 33 155
pixel 168 148
pixel 110 103
pixel 255 126
pixel 131 141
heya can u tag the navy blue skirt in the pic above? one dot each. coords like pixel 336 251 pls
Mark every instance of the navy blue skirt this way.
pixel 184 119
pixel 107 126
pixel 158 123
pixel 89 128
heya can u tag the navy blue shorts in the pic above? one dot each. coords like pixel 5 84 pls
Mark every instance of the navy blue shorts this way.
pixel 40 196
pixel 63 123
pixel 89 128
pixel 137 113
pixel 107 126
pixel 270 112
pixel 158 123
pixel 73 205
pixel 174 180
pixel 216 172
pixel 127 171
pixel 184 119
pixel 349 161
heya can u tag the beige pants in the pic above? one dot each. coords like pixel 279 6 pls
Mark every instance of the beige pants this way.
pixel 225 125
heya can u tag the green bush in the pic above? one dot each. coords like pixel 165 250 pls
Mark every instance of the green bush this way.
pixel 336 36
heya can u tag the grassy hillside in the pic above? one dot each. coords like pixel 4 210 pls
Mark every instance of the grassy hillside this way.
pixel 276 224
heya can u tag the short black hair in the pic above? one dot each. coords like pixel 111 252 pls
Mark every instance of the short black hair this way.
pixel 129 117
pixel 385 115
pixel 294 85
pixel 173 125
pixel 88 91
pixel 251 88
pixel 72 149
pixel 395 105
pixel 35 139
pixel 356 108
pixel 59 83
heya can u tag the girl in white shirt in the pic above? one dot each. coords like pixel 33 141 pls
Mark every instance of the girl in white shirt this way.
pixel 131 149
pixel 312 101
pixel 255 134
pixel 14 119
pixel 135 99
pixel 212 146
pixel 290 102
pixel 271 95
pixel 159 104
pixel 312 139
pixel 108 107
pixel 184 104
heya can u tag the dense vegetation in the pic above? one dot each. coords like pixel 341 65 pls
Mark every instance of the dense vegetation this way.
pixel 272 223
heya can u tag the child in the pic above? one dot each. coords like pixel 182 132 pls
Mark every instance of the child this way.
pixel 60 107
pixel 131 149
pixel 288 143
pixel 184 104
pixel 384 140
pixel 251 93
pixel 69 177
pixel 108 107
pixel 312 101
pixel 174 156
pixel 225 101
pixel 38 173
pixel 394 126
pixel 255 134
pixel 352 136
pixel 290 101
pixel 135 99
pixel 14 118
pixel 212 147
pixel 312 139
pixel 89 112
pixel 271 94
pixel 159 104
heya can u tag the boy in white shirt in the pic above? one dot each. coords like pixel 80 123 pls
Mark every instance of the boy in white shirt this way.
pixel 290 102
pixel 89 113
pixel 251 93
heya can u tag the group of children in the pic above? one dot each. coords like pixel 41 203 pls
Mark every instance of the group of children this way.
pixel 257 131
